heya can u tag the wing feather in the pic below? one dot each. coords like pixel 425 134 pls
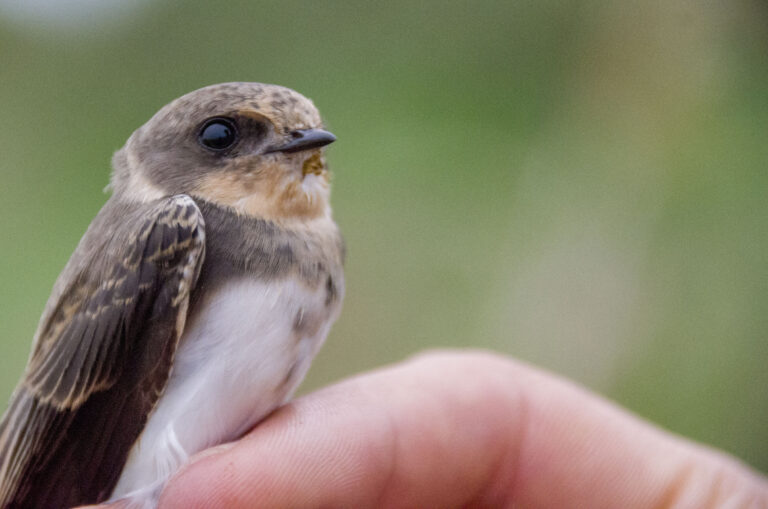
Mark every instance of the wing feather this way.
pixel 102 355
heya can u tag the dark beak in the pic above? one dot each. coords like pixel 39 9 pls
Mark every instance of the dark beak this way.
pixel 304 139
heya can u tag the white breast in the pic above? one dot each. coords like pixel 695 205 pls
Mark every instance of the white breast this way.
pixel 243 353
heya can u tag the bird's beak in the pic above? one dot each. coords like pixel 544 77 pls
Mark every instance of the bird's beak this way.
pixel 304 139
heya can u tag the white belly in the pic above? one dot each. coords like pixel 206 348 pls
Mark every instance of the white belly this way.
pixel 241 356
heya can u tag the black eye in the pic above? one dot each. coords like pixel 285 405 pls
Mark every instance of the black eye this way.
pixel 218 134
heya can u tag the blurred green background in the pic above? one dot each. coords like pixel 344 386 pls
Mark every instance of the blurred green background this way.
pixel 580 184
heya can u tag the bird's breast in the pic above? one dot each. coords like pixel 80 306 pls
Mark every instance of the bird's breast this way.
pixel 251 334
pixel 246 347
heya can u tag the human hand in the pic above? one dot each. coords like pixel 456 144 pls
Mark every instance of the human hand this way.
pixel 460 429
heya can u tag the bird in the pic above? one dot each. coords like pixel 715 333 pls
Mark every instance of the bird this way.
pixel 192 306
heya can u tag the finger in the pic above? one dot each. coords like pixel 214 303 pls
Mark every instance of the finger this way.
pixel 451 430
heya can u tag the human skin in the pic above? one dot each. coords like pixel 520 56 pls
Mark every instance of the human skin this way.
pixel 461 429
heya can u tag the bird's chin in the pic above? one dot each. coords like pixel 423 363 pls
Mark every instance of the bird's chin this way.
pixel 315 185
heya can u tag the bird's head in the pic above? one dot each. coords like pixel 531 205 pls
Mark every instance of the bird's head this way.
pixel 256 148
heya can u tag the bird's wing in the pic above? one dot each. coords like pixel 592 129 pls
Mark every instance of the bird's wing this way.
pixel 101 358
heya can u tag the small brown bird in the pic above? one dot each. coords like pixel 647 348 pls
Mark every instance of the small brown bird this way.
pixel 191 308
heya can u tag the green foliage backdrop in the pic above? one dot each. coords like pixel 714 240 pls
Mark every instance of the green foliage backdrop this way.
pixel 578 184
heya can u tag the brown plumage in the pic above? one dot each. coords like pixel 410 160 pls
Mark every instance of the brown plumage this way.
pixel 184 221
pixel 102 357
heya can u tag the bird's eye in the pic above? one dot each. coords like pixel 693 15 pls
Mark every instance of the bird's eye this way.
pixel 218 134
